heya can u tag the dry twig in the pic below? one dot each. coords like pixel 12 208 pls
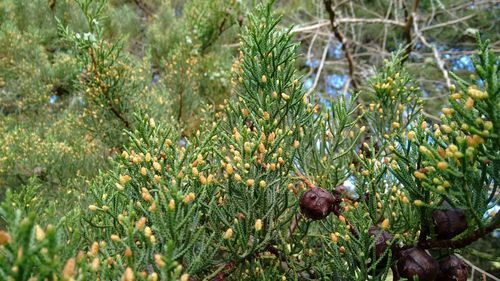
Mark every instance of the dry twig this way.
pixel 437 55
pixel 320 68
pixel 345 47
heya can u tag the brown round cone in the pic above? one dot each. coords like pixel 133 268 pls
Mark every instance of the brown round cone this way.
pixel 316 203
pixel 452 268
pixel 416 262
pixel 449 223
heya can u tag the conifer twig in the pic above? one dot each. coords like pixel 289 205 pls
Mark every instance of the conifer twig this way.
pixel 110 102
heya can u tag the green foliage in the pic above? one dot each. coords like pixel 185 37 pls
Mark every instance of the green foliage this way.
pixel 148 197
pixel 192 71
pixel 457 161
pixel 40 139
pixel 397 99
pixel 29 250
pixel 53 155
pixel 30 63
pixel 107 81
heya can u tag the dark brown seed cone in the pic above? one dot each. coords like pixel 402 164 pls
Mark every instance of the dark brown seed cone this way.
pixel 416 262
pixel 317 203
pixel 452 268
pixel 382 238
pixel 449 223
pixel 340 189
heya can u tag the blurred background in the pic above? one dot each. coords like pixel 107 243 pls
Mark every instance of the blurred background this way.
pixel 176 56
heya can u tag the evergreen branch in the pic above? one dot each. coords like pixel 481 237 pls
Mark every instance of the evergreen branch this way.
pixel 105 91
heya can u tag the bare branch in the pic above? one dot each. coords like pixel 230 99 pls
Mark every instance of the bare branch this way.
pixel 407 32
pixel 323 23
pixel 475 268
pixel 455 21
pixel 320 68
pixel 437 55
pixel 430 116
pixel 345 47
